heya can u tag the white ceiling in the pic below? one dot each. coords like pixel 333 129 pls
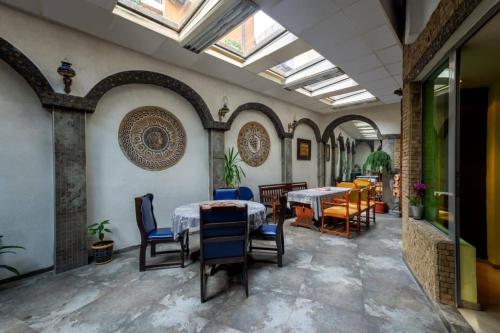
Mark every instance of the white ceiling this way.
pixel 355 35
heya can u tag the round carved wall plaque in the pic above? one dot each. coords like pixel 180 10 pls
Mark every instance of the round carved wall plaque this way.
pixel 152 138
pixel 254 144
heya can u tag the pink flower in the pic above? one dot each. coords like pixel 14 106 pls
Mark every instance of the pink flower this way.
pixel 420 188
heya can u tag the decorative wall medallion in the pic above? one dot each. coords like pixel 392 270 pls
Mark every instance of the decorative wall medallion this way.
pixel 152 138
pixel 254 144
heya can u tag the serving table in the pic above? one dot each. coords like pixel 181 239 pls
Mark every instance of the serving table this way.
pixel 309 201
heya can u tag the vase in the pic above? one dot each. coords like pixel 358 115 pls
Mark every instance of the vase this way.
pixel 417 212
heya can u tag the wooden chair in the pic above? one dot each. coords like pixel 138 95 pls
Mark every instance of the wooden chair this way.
pixel 364 205
pixel 223 240
pixel 362 182
pixel 346 184
pixel 152 235
pixel 273 233
pixel 225 194
pixel 346 209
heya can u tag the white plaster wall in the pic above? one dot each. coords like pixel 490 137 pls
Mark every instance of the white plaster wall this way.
pixel 362 152
pixel 386 117
pixel 270 171
pixel 26 175
pixel 113 181
pixel 305 170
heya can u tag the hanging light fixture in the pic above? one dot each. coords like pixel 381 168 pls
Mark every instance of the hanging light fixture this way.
pixel 67 73
pixel 224 109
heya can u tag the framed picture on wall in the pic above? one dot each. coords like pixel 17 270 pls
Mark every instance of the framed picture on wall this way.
pixel 304 149
pixel 327 153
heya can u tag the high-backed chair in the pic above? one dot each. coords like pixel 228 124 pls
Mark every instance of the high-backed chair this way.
pixel 273 233
pixel 341 209
pixel 364 204
pixel 245 193
pixel 152 235
pixel 225 194
pixel 223 240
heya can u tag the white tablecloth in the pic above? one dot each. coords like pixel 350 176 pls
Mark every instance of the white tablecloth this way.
pixel 313 197
pixel 188 216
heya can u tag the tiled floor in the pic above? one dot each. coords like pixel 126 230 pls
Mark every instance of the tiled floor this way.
pixel 328 284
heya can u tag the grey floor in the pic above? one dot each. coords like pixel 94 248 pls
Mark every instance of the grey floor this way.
pixel 327 284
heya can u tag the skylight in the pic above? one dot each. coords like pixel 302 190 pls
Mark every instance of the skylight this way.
pixel 334 84
pixel 250 36
pixel 354 97
pixel 297 63
pixel 366 130
pixel 171 13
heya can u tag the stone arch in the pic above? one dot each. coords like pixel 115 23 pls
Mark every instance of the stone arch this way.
pixel 26 68
pixel 343 119
pixel 311 124
pixel 266 111
pixel 153 78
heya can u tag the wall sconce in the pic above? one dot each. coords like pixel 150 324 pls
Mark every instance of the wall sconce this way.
pixel 293 124
pixel 224 109
pixel 67 73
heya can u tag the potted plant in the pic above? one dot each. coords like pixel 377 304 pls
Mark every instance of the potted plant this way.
pixel 4 249
pixel 103 249
pixel 232 170
pixel 416 201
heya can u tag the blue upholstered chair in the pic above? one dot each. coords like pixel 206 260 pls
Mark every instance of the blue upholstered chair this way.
pixel 245 193
pixel 223 240
pixel 225 194
pixel 152 235
pixel 272 232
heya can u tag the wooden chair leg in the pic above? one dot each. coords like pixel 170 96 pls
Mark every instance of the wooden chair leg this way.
pixel 280 251
pixel 368 218
pixel 283 243
pixel 202 283
pixel 182 252
pixel 153 250
pixel 347 233
pixel 245 278
pixel 142 257
pixel 187 243
pixel 249 245
pixel 359 222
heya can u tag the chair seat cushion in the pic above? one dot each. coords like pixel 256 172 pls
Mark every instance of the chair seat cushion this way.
pixel 267 230
pixel 363 206
pixel 161 233
pixel 339 211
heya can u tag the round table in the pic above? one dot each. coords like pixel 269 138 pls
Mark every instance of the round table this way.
pixel 187 217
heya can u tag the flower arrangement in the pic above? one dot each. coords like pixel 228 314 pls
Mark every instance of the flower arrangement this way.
pixel 417 199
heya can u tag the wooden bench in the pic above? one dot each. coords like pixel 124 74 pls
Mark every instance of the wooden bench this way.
pixel 270 194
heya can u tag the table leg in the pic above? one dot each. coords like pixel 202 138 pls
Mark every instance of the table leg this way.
pixel 304 217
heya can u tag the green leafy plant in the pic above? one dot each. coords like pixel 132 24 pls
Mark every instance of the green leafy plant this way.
pixel 99 229
pixel 4 249
pixel 376 160
pixel 232 170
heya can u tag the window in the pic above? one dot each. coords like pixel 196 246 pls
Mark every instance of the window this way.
pixel 355 97
pixel 171 13
pixel 250 36
pixel 435 127
pixel 297 63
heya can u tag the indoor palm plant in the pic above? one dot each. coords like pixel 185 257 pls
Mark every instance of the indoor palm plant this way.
pixel 233 173
pixel 103 249
pixel 4 249
pixel 416 201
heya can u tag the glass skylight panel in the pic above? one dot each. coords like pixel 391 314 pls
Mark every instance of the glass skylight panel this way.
pixel 297 63
pixel 253 34
pixel 172 13
pixel 322 66
pixel 325 83
pixel 350 98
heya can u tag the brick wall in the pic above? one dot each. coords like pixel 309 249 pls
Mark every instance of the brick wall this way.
pixel 428 252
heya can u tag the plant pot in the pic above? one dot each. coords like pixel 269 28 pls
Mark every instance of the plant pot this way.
pixel 380 207
pixel 103 252
pixel 417 212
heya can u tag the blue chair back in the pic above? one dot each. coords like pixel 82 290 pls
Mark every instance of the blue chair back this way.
pixel 245 193
pixel 145 215
pixel 223 233
pixel 225 194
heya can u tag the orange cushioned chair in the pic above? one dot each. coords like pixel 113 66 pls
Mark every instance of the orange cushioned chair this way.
pixel 346 208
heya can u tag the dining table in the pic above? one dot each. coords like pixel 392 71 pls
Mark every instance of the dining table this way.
pixel 307 203
pixel 187 217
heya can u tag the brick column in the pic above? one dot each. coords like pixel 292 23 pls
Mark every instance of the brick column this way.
pixel 321 164
pixel 216 159
pixel 70 190
pixel 286 160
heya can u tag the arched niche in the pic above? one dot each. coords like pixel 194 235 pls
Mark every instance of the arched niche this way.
pixel 267 111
